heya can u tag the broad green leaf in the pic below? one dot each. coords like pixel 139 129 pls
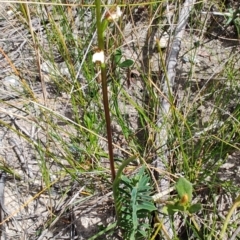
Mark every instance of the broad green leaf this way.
pixel 170 209
pixel 125 64
pixel 117 56
pixel 183 187
pixel 165 210
pixel 195 208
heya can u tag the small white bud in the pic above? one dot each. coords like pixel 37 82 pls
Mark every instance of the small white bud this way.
pixel 98 57
pixel 113 13
pixel 163 41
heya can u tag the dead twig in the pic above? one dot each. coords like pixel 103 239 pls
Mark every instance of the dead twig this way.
pixel 36 47
pixel 19 154
pixel 235 234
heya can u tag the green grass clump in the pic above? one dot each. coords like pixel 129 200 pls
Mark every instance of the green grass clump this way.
pixel 96 121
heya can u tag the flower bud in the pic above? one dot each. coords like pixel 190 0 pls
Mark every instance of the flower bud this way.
pixel 113 14
pixel 98 57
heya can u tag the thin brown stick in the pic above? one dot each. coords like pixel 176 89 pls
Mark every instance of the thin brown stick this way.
pixel 36 47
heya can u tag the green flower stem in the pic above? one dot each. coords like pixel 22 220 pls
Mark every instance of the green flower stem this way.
pixel 100 33
pixel 117 180
pixel 99 25
pixel 235 205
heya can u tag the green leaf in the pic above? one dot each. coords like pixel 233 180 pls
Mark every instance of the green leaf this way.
pixel 104 25
pixel 134 208
pixel 237 25
pixel 165 210
pixel 146 206
pixel 184 187
pixel 133 202
pixel 143 233
pixel 132 237
pixel 86 120
pixel 170 209
pixel 124 193
pixel 195 208
pixel 125 180
pixel 117 56
pixel 143 181
pixel 127 63
pixel 230 17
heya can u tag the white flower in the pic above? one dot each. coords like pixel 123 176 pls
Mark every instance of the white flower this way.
pixel 163 41
pixel 98 57
pixel 118 12
pixel 113 13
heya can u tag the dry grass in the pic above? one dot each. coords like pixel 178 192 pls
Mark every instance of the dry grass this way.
pixel 53 140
